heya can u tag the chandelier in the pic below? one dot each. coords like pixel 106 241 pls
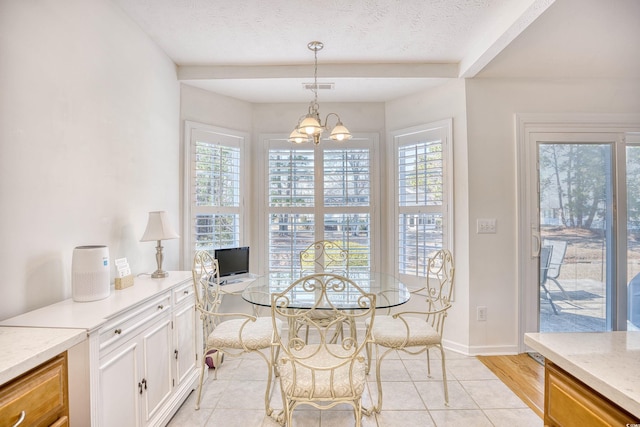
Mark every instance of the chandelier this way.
pixel 310 127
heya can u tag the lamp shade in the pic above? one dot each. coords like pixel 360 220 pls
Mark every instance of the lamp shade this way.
pixel 340 133
pixel 297 137
pixel 158 228
pixel 310 125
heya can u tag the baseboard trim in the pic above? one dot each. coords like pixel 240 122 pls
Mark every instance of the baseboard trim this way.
pixel 480 350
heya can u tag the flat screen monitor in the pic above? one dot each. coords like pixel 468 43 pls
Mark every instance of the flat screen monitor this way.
pixel 232 261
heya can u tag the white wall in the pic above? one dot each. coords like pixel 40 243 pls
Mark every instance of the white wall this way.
pixel 89 111
pixel 491 108
pixel 443 102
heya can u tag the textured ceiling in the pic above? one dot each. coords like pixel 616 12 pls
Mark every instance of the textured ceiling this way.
pixel 374 50
pixel 576 39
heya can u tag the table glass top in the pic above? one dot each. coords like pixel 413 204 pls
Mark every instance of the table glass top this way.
pixel 389 290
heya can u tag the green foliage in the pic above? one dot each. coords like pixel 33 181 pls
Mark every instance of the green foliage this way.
pixel 573 175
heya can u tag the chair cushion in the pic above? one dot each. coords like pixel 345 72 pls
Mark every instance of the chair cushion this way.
pixel 322 387
pixel 390 332
pixel 255 335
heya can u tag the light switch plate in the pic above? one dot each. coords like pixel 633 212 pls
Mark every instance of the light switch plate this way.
pixel 486 226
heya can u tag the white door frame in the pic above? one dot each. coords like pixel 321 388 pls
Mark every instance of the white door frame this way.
pixel 528 128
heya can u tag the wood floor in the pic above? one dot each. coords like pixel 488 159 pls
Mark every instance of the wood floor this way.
pixel 523 375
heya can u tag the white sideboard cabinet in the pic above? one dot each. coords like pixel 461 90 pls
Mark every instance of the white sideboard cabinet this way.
pixel 140 362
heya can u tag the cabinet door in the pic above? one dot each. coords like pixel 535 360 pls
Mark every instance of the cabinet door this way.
pixel 118 387
pixel 185 342
pixel 157 362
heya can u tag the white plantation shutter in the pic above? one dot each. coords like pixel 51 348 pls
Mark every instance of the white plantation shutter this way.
pixel 319 193
pixel 215 185
pixel 291 200
pixel 422 195
pixel 347 177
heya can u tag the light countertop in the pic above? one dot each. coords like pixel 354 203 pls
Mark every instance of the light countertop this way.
pixel 26 348
pixel 608 362
pixel 32 338
pixel 93 314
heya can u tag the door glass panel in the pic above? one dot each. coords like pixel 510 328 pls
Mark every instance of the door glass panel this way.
pixel 633 237
pixel 576 223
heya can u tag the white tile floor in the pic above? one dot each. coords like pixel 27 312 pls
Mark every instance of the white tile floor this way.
pixel 476 397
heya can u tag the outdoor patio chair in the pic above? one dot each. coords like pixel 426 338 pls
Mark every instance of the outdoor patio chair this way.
pixel 545 259
pixel 558 252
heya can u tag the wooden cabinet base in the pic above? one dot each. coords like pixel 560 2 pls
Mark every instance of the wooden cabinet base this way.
pixel 39 397
pixel 568 402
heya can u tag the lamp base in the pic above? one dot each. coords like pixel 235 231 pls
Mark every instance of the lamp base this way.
pixel 159 274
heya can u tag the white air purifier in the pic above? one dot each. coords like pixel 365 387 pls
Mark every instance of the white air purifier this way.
pixel 90 273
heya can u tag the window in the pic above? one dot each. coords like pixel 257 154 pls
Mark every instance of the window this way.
pixel 422 194
pixel 323 192
pixel 215 180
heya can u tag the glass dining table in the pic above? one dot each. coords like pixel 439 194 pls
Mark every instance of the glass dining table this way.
pixel 389 291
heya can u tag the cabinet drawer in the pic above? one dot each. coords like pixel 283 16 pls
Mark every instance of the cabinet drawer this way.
pixel 569 402
pixel 183 292
pixel 61 422
pixel 117 329
pixel 41 394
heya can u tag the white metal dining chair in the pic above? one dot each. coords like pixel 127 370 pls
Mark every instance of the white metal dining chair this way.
pixel 317 371
pixel 324 256
pixel 231 333
pixel 415 332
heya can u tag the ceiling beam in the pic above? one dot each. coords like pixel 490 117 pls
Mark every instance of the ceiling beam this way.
pixel 501 35
pixel 402 70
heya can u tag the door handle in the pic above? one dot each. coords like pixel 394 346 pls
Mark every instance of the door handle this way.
pixel 23 414
pixel 535 241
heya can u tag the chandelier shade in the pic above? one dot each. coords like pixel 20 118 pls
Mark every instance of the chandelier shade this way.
pixel 310 126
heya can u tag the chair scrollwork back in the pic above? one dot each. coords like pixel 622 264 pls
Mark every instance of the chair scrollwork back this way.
pixel 322 371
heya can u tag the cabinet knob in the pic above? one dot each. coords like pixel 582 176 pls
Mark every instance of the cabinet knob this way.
pixel 144 382
pixel 23 414
pixel 186 292
pixel 140 388
pixel 118 331
pixel 176 353
pixel 160 307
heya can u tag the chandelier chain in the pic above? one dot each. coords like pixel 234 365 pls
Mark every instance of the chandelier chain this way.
pixel 310 126
pixel 315 73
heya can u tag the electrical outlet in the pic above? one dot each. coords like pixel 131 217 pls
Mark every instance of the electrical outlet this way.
pixel 486 226
pixel 482 313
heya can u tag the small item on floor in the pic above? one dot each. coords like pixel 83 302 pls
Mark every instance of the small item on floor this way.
pixel 214 359
pixel 537 357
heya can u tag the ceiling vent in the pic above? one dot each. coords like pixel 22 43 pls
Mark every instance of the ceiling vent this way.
pixel 321 86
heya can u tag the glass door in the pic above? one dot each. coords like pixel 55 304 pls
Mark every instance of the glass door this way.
pixel 579 226
pixel 633 231
pixel 576 236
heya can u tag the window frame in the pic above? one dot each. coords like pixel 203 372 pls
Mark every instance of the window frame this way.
pixel 359 140
pixel 192 132
pixel 408 136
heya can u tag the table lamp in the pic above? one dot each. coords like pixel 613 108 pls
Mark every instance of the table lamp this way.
pixel 158 229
